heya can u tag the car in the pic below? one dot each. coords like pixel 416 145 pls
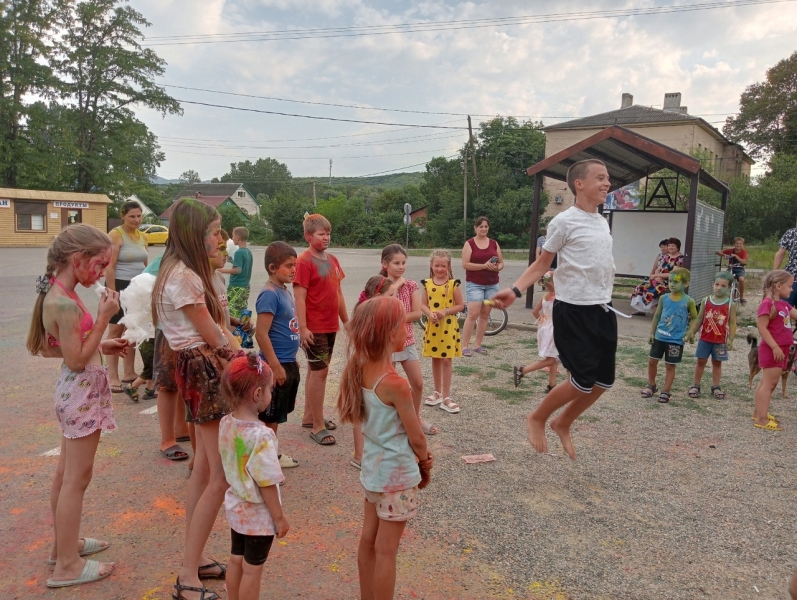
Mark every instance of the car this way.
pixel 155 234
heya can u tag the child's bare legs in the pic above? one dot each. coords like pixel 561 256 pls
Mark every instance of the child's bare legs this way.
pixel 700 366
pixel 169 415
pixel 474 308
pixel 763 393
pixel 412 369
pixel 562 423
pixel 669 376
pixel 653 368
pixel 437 374
pixel 206 490
pixel 376 555
pixel 548 362
pixel 243 579
pixel 359 442
pixel 716 372
pixel 128 362
pixel 72 477
pixel 314 389
pixel 552 371
pixel 740 280
pixel 483 311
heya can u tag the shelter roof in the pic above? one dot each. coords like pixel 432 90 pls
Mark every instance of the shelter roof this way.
pixel 226 189
pixel 18 194
pixel 628 156
pixel 214 201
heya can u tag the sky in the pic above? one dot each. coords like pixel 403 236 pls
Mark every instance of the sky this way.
pixel 543 68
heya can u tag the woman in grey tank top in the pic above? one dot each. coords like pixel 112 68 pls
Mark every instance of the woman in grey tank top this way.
pixel 128 260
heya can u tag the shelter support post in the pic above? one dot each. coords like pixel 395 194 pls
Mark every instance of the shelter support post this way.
pixel 694 182
pixel 535 228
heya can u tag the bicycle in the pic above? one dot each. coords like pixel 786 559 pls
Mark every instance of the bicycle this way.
pixel 735 295
pixel 496 320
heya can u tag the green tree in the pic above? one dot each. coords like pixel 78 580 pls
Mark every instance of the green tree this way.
pixel 284 215
pixel 25 33
pixel 232 217
pixel 767 119
pixel 514 145
pixel 190 177
pixel 264 176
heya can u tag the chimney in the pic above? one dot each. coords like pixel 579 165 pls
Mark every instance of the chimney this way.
pixel 628 100
pixel 197 194
pixel 672 102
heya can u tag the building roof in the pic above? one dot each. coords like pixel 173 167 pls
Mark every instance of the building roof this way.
pixel 14 193
pixel 214 201
pixel 208 189
pixel 637 114
pixel 628 157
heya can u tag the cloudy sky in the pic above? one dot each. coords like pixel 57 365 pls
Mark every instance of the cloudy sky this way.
pixel 566 64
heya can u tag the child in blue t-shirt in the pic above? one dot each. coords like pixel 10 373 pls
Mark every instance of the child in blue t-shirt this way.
pixel 668 331
pixel 277 334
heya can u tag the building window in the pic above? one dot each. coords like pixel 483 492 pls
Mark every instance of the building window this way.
pixel 30 216
pixel 241 194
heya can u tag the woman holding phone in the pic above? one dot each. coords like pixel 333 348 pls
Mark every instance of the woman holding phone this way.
pixel 482 260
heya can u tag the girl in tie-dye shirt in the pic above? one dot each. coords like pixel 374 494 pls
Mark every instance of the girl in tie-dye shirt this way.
pixel 249 456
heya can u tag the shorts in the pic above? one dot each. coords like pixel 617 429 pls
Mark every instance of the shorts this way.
pixel 475 292
pixel 586 339
pixel 147 351
pixel 766 360
pixel 254 548
pixel 198 374
pixel 409 353
pixel 737 272
pixel 83 401
pixel 395 506
pixel 319 352
pixel 715 351
pixel 672 353
pixel 120 285
pixel 164 361
pixel 283 397
pixel 238 298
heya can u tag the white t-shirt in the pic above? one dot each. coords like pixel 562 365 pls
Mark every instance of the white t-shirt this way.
pixel 582 240
pixel 182 288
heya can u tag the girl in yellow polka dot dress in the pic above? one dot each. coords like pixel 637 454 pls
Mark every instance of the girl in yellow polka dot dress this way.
pixel 441 300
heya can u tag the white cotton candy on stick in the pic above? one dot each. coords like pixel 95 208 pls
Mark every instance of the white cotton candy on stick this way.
pixel 231 248
pixel 100 290
pixel 136 301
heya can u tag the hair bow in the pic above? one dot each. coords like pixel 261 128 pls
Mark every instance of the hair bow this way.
pixel 43 283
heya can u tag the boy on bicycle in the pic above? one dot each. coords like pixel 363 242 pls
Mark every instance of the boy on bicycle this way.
pixel 737 261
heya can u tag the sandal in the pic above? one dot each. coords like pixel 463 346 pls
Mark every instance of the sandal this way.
pixel 116 389
pixel 427 427
pixel 90 546
pixel 355 464
pixel 694 391
pixel 179 588
pixel 548 388
pixel 664 397
pixel 466 352
pixel 517 375
pixel 717 391
pixel 89 574
pixel 648 391
pixel 131 392
pixel 328 423
pixel 215 563
pixel 480 350
pixel 771 417
pixel 434 399
pixel 319 438
pixel 449 406
pixel 771 426
pixel 175 453
pixel 150 394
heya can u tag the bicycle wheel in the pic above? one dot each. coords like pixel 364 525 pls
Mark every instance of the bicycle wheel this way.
pixel 497 321
pixel 422 322
pixel 735 295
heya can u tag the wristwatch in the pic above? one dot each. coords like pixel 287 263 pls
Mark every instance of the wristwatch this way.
pixel 517 291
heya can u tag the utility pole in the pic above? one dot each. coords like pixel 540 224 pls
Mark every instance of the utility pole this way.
pixel 473 157
pixel 330 171
pixel 465 192
pixel 315 202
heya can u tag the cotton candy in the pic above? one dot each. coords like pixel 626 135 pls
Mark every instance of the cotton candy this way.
pixel 136 300
pixel 100 290
pixel 231 248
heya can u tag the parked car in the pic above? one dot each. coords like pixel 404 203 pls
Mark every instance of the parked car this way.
pixel 154 234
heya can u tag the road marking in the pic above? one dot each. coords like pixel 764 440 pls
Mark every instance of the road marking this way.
pixel 150 411
pixel 53 452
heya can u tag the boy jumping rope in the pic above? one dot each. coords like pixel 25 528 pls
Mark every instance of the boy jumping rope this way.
pixel 585 325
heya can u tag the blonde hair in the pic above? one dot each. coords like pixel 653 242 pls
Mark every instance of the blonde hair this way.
pixel 772 279
pixel 314 222
pixel 242 233
pixel 74 239
pixel 441 254
pixel 374 323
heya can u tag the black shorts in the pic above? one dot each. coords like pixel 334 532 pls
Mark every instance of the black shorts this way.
pixel 254 548
pixel 120 284
pixel 163 363
pixel 147 352
pixel 586 338
pixel 671 353
pixel 319 353
pixel 283 397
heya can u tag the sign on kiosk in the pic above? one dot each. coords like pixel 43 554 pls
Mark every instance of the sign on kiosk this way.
pixel 62 204
pixel 5 203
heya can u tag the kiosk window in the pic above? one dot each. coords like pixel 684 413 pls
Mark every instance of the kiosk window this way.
pixel 30 216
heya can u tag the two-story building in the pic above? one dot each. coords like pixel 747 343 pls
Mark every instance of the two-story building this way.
pixel 670 125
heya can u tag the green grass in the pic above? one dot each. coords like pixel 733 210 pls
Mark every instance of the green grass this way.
pixel 689 403
pixel 761 256
pixel 510 395
pixel 637 382
pixel 589 419
pixel 490 375
pixel 465 371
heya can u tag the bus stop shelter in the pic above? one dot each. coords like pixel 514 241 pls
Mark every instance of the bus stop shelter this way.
pixel 630 157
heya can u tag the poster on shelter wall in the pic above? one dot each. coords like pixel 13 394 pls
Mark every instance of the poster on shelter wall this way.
pixel 624 198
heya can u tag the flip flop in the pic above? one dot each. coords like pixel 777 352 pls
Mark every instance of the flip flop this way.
pixel 318 438
pixel 175 453
pixel 480 350
pixel 769 416
pixel 771 426
pixel 427 427
pixel 328 423
pixel 215 563
pixel 89 574
pixel 355 464
pixel 116 389
pixel 90 546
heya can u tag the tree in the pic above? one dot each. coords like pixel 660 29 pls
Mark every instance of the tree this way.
pixel 515 145
pixel 284 214
pixel 106 73
pixel 232 217
pixel 264 176
pixel 25 30
pixel 767 119
pixel 190 177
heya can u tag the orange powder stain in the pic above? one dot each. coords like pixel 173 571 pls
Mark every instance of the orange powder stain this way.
pixel 38 544
pixel 17 511
pixel 32 582
pixel 170 505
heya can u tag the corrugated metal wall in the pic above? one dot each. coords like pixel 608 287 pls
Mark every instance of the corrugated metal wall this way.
pixel 709 225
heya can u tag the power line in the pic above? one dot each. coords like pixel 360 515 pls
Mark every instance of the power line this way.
pixel 247 145
pixel 310 157
pixel 451 25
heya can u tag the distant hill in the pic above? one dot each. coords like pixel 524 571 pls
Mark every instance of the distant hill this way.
pixel 394 180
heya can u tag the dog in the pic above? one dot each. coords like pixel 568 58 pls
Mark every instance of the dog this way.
pixel 752 360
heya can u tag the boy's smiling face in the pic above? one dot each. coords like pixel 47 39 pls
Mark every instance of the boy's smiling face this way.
pixel 594 186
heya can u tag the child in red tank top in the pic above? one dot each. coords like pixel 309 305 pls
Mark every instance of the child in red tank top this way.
pixel 717 324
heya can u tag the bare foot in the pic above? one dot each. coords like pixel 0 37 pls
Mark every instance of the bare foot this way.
pixel 564 435
pixel 73 571
pixel 536 434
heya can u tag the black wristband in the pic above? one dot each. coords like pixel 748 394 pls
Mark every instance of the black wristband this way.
pixel 517 291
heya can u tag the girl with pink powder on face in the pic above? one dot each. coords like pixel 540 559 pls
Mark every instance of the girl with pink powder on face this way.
pixel 61 327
